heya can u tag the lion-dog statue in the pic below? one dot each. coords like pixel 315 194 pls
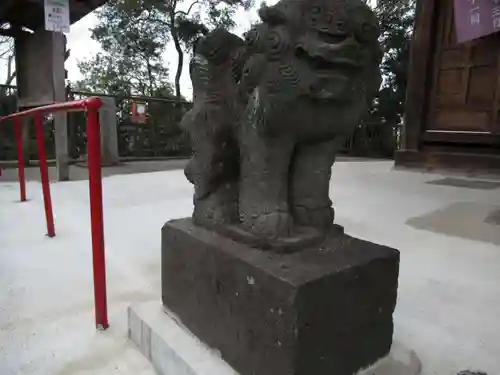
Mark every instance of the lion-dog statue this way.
pixel 271 112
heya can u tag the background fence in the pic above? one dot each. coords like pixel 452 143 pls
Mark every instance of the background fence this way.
pixel 161 136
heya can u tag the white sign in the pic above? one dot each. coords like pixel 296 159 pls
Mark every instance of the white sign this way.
pixel 57 15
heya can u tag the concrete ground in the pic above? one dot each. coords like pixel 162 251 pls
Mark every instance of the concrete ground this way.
pixel 448 234
pixel 80 172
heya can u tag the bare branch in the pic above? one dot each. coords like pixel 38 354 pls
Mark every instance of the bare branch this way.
pixel 189 9
pixel 6 47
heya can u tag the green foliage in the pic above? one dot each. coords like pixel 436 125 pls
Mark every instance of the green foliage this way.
pixel 380 131
pixel 190 19
pixel 131 62
pixel 396 19
pixel 133 35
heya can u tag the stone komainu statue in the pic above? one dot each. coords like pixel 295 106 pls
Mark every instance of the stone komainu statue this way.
pixel 271 111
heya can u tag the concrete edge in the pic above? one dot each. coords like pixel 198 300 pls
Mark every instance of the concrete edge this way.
pixel 169 346
pixel 174 350
pixel 400 361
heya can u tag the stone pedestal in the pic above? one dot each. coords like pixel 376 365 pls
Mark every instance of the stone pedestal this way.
pixel 326 310
pixel 173 350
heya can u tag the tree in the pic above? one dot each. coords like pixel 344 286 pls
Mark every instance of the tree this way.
pixel 396 19
pixel 131 61
pixel 187 21
pixel 377 134
pixel 133 35
pixel 7 58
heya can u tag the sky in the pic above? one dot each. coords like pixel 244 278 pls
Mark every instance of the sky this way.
pixel 82 46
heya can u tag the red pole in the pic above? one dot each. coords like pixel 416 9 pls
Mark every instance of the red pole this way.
pixel 96 217
pixel 20 158
pixel 44 174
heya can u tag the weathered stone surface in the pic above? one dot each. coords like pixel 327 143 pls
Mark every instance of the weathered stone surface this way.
pixel 326 310
pixel 173 350
pixel 270 114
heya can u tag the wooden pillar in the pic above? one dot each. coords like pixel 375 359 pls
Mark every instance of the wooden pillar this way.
pixel 40 80
pixel 418 76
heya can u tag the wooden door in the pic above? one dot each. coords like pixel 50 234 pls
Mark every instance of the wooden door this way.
pixel 464 100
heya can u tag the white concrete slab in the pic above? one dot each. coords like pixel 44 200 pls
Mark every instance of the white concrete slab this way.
pixel 170 347
pixel 174 350
pixel 449 290
pixel 400 361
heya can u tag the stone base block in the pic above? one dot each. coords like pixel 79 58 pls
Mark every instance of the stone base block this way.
pixel 325 310
pixel 173 350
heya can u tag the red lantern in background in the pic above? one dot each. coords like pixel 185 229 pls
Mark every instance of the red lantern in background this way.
pixel 139 112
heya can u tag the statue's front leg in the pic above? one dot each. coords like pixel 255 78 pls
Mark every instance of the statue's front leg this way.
pixel 311 173
pixel 213 169
pixel 263 198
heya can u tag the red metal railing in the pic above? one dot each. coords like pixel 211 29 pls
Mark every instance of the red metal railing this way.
pixel 91 107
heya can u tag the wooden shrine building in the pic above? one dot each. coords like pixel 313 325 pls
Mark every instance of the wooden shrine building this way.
pixel 452 118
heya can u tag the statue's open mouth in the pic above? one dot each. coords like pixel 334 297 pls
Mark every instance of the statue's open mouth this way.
pixel 332 75
pixel 324 66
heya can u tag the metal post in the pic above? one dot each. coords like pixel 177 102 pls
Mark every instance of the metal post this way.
pixel 96 217
pixel 20 157
pixel 44 174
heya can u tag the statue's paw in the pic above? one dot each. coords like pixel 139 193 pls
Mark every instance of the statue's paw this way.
pixel 271 225
pixel 321 218
pixel 214 217
pixel 218 209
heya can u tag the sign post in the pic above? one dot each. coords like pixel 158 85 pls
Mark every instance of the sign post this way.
pixel 139 112
pixel 476 18
pixel 57 15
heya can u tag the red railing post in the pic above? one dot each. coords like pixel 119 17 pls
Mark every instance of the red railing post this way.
pixel 96 215
pixel 92 106
pixel 20 157
pixel 44 174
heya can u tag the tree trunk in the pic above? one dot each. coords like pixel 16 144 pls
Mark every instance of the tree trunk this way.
pixel 10 78
pixel 150 78
pixel 180 53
